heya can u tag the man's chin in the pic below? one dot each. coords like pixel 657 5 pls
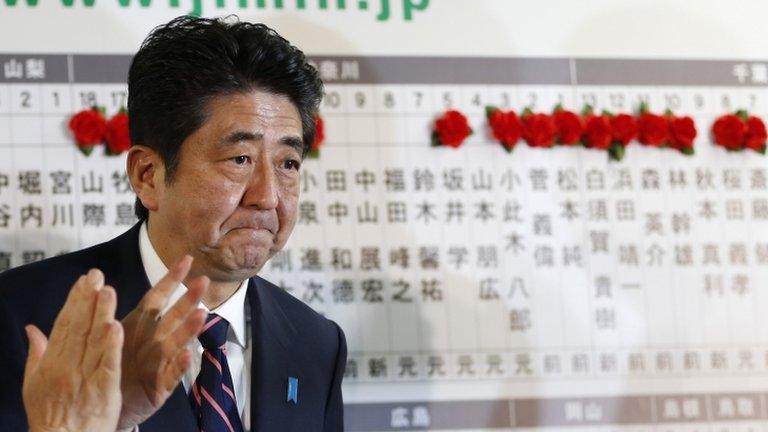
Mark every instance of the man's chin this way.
pixel 248 264
pixel 231 273
pixel 243 264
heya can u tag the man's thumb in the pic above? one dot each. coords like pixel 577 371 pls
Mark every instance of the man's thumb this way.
pixel 37 345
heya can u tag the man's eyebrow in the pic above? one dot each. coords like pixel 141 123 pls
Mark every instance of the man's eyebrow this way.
pixel 236 137
pixel 295 142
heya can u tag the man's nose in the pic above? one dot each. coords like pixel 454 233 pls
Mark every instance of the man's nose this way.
pixel 261 191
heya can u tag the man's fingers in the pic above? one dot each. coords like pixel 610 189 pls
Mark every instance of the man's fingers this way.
pixel 78 308
pixel 184 306
pixel 103 317
pixel 105 307
pixel 175 369
pixel 37 345
pixel 176 357
pixel 157 297
pixel 188 330
pixel 61 324
pixel 80 315
pixel 108 372
pixel 113 349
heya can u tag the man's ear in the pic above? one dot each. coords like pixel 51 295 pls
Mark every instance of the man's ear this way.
pixel 147 175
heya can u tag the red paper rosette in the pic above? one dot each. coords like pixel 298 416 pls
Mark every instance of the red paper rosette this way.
pixel 506 127
pixel 117 136
pixel 451 129
pixel 538 129
pixel 682 133
pixel 569 126
pixel 89 128
pixel 314 148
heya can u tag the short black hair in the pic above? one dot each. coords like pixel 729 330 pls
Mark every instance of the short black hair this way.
pixel 182 65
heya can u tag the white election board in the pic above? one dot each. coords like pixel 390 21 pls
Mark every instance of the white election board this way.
pixel 546 289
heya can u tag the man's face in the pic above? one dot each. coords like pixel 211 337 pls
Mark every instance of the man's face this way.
pixel 233 199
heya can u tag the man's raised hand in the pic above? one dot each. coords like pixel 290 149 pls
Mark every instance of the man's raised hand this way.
pixel 155 355
pixel 72 382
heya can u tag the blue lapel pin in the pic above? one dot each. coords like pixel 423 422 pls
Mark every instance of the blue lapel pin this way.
pixel 293 390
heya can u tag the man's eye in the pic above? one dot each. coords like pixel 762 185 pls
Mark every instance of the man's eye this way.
pixel 292 164
pixel 240 160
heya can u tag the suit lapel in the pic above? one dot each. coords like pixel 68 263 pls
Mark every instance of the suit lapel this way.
pixel 272 363
pixel 125 272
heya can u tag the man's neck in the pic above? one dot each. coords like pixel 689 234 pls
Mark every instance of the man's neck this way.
pixel 218 292
pixel 169 251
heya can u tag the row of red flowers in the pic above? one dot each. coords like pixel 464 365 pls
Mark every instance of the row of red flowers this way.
pixel 604 131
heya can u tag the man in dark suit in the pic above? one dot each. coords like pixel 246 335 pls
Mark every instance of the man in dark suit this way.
pixel 221 115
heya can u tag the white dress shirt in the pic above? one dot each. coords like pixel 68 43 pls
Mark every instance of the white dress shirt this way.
pixel 238 344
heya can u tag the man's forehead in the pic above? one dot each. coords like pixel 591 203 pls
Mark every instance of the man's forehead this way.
pixel 250 111
pixel 257 101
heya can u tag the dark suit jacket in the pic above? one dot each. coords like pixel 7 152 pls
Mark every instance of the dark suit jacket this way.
pixel 289 340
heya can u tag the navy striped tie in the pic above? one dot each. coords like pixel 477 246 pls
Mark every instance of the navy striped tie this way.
pixel 212 395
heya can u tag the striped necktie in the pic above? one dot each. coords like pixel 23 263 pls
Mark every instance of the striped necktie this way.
pixel 212 396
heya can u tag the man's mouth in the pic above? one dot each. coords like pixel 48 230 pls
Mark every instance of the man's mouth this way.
pixel 255 228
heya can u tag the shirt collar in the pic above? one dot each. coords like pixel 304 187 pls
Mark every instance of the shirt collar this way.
pixel 232 310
